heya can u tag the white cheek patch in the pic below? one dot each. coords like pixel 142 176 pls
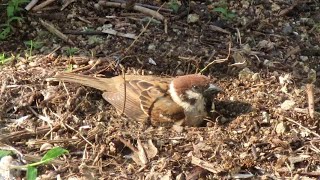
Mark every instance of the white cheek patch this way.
pixel 193 95
pixel 175 97
pixel 199 104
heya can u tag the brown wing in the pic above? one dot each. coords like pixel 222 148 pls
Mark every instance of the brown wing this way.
pixel 130 105
pixel 165 112
pixel 160 107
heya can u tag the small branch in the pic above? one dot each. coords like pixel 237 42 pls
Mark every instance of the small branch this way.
pixel 287 10
pixel 56 32
pixel 145 5
pixel 42 5
pixel 310 94
pixel 300 125
pixel 143 30
pixel 66 4
pixel 125 91
pixel 204 164
pixel 141 9
pixel 218 29
pixel 74 32
pixel 217 60
pixel 31 5
pixel 116 33
pixel 126 143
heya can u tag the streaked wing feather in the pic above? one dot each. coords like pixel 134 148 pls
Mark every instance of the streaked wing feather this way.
pixel 133 90
pixel 148 97
pixel 131 109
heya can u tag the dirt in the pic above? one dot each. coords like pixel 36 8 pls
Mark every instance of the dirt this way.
pixel 263 129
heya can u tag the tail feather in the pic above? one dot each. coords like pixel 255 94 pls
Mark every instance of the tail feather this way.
pixel 98 83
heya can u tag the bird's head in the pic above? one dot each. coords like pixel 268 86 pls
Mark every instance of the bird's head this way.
pixel 190 90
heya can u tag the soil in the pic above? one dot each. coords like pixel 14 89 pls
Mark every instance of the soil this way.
pixel 265 59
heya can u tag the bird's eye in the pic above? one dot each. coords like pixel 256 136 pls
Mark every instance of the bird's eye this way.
pixel 195 88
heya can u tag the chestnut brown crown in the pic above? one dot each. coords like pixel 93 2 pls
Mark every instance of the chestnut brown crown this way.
pixel 195 82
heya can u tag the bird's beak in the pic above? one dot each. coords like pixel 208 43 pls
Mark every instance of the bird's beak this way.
pixel 213 89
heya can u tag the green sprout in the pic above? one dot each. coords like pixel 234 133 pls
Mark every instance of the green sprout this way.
pixel 72 51
pixel 174 5
pixel 4 59
pixel 223 10
pixel 13 8
pixel 32 171
pixel 33 45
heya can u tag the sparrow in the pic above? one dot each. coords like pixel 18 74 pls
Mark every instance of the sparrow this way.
pixel 183 100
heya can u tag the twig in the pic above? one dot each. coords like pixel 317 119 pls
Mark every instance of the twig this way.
pixel 41 117
pixel 42 5
pixel 313 174
pixel 116 33
pixel 218 29
pixel 141 9
pixel 310 93
pixel 143 30
pixel 31 4
pixel 239 35
pixel 3 87
pixel 287 10
pixel 66 4
pixel 125 91
pixel 300 125
pixel 217 60
pixel 56 32
pixel 25 134
pixel 204 164
pixel 145 5
pixel 79 134
pixel 126 143
pixel 83 32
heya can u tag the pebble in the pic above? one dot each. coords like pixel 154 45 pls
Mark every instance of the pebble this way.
pixel 280 128
pixel 32 64
pixel 304 58
pixel 152 47
pixel 287 104
pixel 287 29
pixel 97 6
pixel 192 18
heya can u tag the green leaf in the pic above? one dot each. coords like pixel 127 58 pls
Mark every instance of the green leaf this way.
pixel 32 173
pixel 10 11
pixel 221 10
pixel 5 33
pixel 14 18
pixel 33 44
pixel 53 153
pixel 4 152
pixel 173 4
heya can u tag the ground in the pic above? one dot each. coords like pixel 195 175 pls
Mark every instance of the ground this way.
pixel 263 54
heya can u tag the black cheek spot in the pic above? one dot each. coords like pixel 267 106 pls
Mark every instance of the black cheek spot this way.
pixel 192 101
